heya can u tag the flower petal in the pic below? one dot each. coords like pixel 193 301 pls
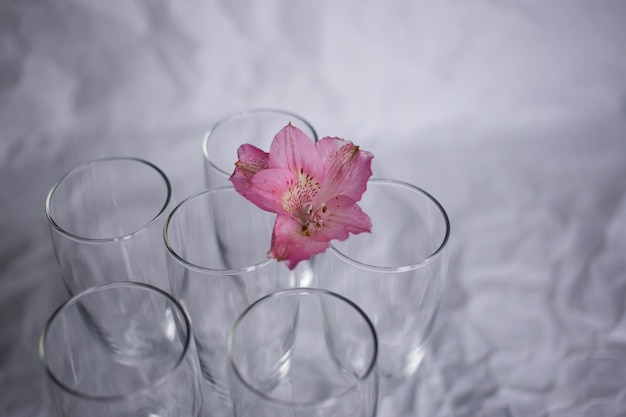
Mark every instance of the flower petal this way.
pixel 267 188
pixel 291 245
pixel 250 161
pixel 347 168
pixel 342 217
pixel 292 149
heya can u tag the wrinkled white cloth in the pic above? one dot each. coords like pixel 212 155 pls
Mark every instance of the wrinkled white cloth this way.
pixel 511 113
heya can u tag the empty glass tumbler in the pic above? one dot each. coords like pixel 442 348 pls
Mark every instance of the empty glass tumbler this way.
pixel 256 127
pixel 395 274
pixel 303 352
pixel 218 243
pixel 122 349
pixel 106 221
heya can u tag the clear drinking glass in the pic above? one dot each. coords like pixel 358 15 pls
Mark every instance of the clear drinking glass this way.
pixel 106 220
pixel 303 352
pixel 256 126
pixel 395 274
pixel 147 367
pixel 218 243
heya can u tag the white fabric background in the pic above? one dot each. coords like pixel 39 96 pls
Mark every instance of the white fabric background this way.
pixel 511 112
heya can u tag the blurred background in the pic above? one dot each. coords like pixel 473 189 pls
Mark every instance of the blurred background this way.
pixel 512 113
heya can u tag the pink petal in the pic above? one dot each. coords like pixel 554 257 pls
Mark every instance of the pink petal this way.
pixel 292 149
pixel 267 188
pixel 343 216
pixel 347 168
pixel 291 245
pixel 250 161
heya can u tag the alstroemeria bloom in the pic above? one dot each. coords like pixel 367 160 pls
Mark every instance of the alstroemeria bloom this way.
pixel 312 187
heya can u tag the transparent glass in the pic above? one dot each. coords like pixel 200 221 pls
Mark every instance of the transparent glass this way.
pixel 256 126
pixel 303 352
pixel 106 220
pixel 395 274
pixel 218 243
pixel 148 366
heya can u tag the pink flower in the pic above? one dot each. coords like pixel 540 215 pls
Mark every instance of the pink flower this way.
pixel 312 187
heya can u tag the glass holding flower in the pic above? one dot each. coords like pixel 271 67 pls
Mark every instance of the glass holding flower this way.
pixel 217 263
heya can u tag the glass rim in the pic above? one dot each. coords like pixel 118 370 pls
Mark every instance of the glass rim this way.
pixel 403 268
pixel 371 367
pixel 116 397
pixel 126 236
pixel 227 119
pixel 199 268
